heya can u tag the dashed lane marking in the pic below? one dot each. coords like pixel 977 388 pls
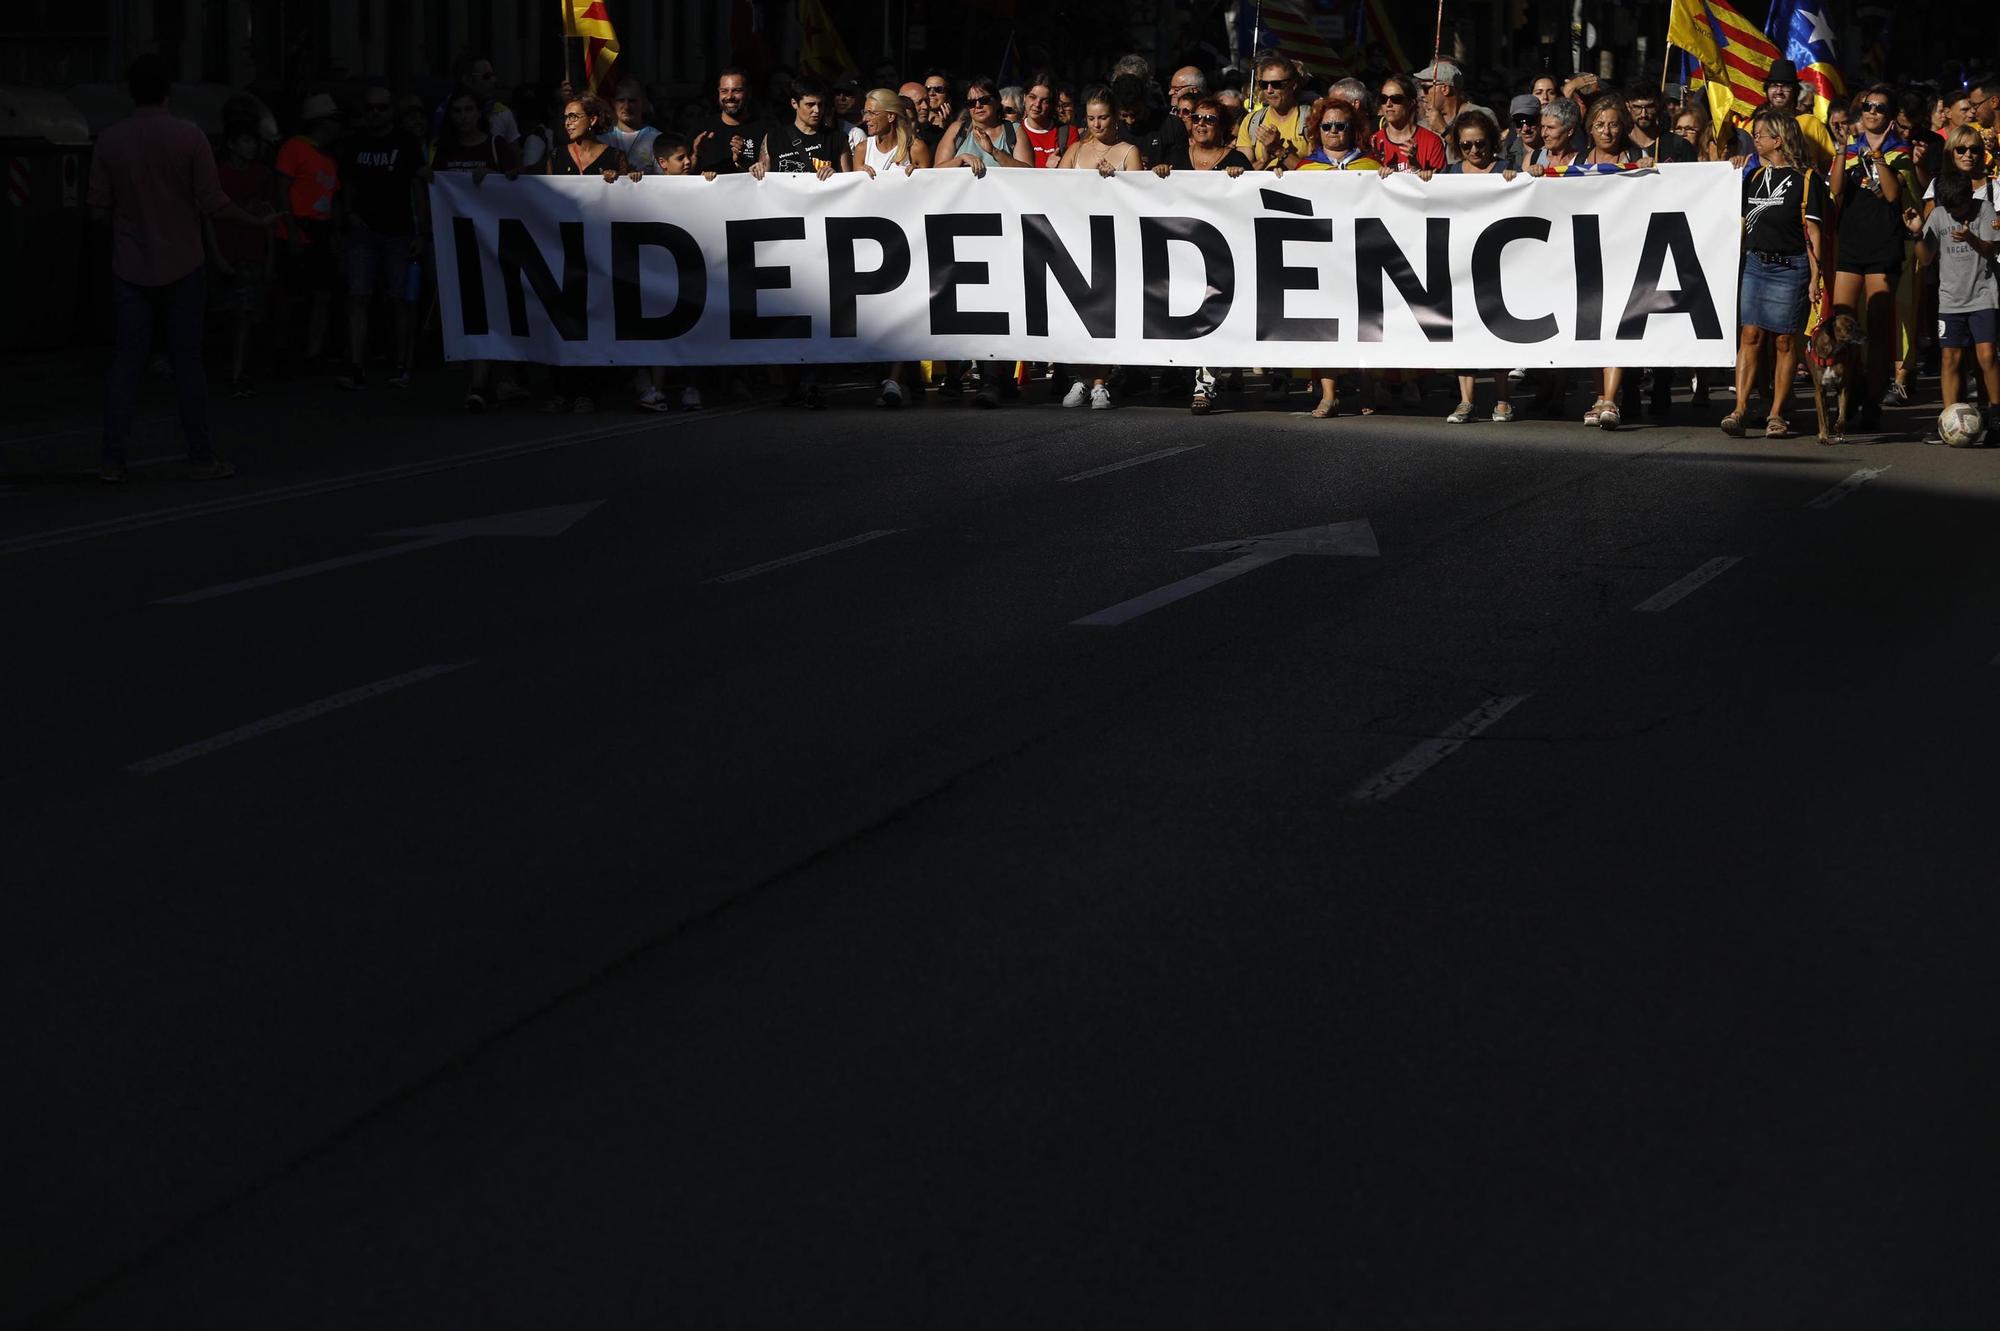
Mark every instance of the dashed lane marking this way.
pixel 1675 592
pixel 1431 752
pixel 802 556
pixel 1139 461
pixel 1846 487
pixel 200 748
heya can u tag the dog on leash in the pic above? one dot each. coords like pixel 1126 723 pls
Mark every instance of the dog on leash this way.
pixel 1836 358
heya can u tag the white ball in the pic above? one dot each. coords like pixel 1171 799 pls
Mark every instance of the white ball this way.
pixel 1959 424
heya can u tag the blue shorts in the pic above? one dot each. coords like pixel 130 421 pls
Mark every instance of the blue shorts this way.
pixel 376 263
pixel 1775 293
pixel 1969 329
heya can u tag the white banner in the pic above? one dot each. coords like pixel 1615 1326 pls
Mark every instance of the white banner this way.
pixel 1316 269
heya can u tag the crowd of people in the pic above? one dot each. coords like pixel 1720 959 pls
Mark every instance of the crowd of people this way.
pixel 1883 209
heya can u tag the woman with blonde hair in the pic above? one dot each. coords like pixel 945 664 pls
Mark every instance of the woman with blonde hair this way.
pixel 889 142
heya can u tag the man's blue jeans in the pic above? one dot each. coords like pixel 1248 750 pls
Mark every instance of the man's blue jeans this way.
pixel 180 306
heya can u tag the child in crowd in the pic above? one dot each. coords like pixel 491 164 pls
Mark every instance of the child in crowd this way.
pixel 672 155
pixel 1960 238
pixel 242 253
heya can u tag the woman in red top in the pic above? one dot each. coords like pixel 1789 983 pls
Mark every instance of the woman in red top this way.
pixel 1402 144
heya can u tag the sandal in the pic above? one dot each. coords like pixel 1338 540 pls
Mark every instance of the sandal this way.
pixel 1327 406
pixel 1777 428
pixel 1731 425
pixel 1460 414
pixel 1596 410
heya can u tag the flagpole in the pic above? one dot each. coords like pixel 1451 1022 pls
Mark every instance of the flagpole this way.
pixel 1437 46
pixel 1666 59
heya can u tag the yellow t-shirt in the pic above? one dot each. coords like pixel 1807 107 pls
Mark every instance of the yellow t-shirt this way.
pixel 1292 130
pixel 1819 140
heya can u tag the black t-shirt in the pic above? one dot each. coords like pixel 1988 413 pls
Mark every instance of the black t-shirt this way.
pixel 1772 221
pixel 561 162
pixel 1871 229
pixel 793 150
pixel 1156 136
pixel 715 156
pixel 491 153
pixel 1180 160
pixel 375 176
pixel 1672 148
pixel 932 135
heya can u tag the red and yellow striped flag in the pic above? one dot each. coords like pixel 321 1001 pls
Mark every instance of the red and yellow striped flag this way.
pixel 1735 56
pixel 589 20
pixel 821 52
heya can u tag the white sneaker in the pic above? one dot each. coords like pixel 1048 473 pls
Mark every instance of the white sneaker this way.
pixel 650 399
pixel 1516 376
pixel 1100 398
pixel 690 398
pixel 891 394
pixel 1077 395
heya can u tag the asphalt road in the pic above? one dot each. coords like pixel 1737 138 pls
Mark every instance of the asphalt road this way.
pixel 740 893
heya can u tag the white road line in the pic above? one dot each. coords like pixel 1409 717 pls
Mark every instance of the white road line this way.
pixel 162 516
pixel 1139 461
pixel 1846 487
pixel 174 757
pixel 1675 592
pixel 1126 611
pixel 303 571
pixel 1433 751
pixel 802 556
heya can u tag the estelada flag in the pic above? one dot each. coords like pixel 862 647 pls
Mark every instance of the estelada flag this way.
pixel 589 20
pixel 821 52
pixel 1735 56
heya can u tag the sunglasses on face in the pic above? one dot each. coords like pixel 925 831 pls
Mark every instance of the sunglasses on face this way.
pixel 1474 145
pixel 1334 126
pixel 1394 98
pixel 1274 83
pixel 1524 121
pixel 934 87
pixel 979 101
pixel 1964 151
pixel 1875 108
pixel 1205 120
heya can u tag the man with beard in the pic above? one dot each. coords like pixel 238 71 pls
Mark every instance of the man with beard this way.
pixel 728 142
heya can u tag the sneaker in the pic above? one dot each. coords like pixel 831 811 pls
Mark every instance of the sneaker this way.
pixel 474 402
pixel 401 379
pixel 351 378
pixel 1897 396
pixel 1202 403
pixel 1516 376
pixel 111 473
pixel 507 392
pixel 891 394
pixel 1460 415
pixel 650 398
pixel 554 405
pixel 583 405
pixel 986 397
pixel 1100 398
pixel 690 398
pixel 811 399
pixel 1077 395
pixel 1503 412
pixel 215 469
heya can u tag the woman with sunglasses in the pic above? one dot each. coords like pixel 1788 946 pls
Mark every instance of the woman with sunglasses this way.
pixel 1401 144
pixel 1965 155
pixel 1208 148
pixel 984 138
pixel 581 154
pixel 1873 187
pixel 890 146
pixel 1105 150
pixel 1339 146
pixel 1475 136
pixel 1783 204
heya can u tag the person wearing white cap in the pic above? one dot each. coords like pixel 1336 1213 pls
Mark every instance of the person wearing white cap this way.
pixel 1443 88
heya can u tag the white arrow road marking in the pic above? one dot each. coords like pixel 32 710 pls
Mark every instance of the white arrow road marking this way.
pixel 1139 461
pixel 802 556
pixel 1339 538
pixel 1434 751
pixel 174 757
pixel 1675 592
pixel 1846 487
pixel 531 522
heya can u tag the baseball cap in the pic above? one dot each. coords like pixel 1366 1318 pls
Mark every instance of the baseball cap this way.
pixel 1524 105
pixel 1444 71
pixel 320 106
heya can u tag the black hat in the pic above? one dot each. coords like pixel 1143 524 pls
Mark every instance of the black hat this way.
pixel 1782 71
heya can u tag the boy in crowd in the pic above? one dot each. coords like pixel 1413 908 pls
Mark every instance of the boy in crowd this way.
pixel 671 156
pixel 1959 237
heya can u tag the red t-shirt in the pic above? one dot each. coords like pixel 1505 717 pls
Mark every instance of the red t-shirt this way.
pixel 1425 152
pixel 315 178
pixel 250 188
pixel 1048 144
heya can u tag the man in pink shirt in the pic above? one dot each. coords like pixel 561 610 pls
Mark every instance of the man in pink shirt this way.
pixel 152 177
